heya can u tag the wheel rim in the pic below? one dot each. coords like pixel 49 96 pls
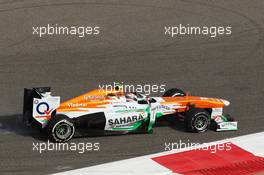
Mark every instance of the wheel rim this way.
pixel 201 122
pixel 63 131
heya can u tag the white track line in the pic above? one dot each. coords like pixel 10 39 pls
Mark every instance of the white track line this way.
pixel 144 165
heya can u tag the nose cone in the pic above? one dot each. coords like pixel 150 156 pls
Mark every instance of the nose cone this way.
pixel 226 103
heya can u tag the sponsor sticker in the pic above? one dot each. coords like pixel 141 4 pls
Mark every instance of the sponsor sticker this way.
pixel 43 108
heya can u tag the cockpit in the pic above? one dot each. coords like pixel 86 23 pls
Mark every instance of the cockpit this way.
pixel 131 97
pixel 140 98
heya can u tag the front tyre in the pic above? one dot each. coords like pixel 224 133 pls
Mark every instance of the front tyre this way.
pixel 60 128
pixel 197 120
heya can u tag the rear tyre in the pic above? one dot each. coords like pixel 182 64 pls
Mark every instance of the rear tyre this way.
pixel 60 128
pixel 197 120
pixel 174 93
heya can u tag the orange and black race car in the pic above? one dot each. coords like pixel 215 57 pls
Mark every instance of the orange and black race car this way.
pixel 117 112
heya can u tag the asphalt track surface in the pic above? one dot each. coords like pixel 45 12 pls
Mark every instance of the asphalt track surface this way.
pixel 131 48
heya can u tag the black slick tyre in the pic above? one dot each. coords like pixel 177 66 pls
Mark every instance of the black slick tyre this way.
pixel 197 120
pixel 60 128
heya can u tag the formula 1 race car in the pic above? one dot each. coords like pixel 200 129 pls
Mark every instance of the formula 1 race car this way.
pixel 118 112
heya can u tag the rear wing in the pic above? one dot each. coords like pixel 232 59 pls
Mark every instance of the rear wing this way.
pixel 38 105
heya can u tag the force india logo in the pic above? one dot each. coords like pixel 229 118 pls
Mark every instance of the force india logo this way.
pixel 160 107
pixel 125 120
